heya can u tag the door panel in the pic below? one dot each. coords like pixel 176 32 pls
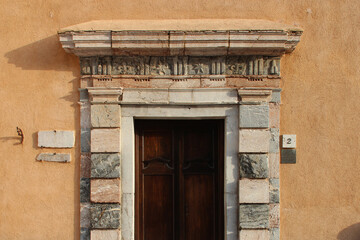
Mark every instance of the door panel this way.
pixel 199 207
pixel 179 180
pixel 158 207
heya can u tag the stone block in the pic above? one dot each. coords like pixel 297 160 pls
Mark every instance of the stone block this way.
pixel 254 216
pixel 274 115
pixel 105 115
pixel 105 165
pixel 274 190
pixel 253 191
pixel 85 165
pixel 84 234
pixel 105 140
pixel 105 235
pixel 54 157
pixel 254 235
pixel 254 166
pixel 85 115
pixel 105 191
pixel 276 96
pixel 56 139
pixel 274 218
pixel 85 140
pixel 275 234
pixel 84 190
pixel 274 140
pixel 84 95
pixel 105 216
pixel 254 116
pixel 274 165
pixel 254 141
pixel 85 215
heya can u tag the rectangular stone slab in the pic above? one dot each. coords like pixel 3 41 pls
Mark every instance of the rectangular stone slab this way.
pixel 105 115
pixel 254 216
pixel 56 139
pixel 54 157
pixel 254 166
pixel 105 216
pixel 254 116
pixel 254 235
pixel 105 235
pixel 105 140
pixel 105 190
pixel 105 165
pixel 254 191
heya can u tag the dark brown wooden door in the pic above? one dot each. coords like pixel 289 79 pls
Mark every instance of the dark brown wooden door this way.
pixel 179 180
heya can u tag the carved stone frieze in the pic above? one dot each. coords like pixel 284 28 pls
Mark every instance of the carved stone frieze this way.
pixel 180 65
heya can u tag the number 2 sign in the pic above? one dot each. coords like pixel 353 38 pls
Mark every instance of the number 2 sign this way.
pixel 289 141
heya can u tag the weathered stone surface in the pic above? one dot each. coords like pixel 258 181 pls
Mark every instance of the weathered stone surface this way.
pixel 275 234
pixel 105 115
pixel 84 234
pixel 105 165
pixel 274 115
pixel 56 139
pixel 254 166
pixel 254 141
pixel 84 190
pixel 85 115
pixel 254 235
pixel 276 96
pixel 84 95
pixel 85 140
pixel 54 157
pixel 274 190
pixel 85 215
pixel 253 191
pixel 105 140
pixel 85 165
pixel 105 216
pixel 105 235
pixel 274 165
pixel 254 216
pixel 274 140
pixel 274 218
pixel 105 190
pixel 181 65
pixel 254 116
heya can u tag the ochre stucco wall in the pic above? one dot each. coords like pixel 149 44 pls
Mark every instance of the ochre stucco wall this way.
pixel 320 196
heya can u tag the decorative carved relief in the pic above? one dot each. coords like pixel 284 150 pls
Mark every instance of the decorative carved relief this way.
pixel 140 65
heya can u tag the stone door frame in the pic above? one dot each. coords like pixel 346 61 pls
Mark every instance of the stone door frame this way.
pixel 180 74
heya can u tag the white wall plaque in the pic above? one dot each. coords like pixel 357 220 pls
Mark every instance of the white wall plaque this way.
pixel 289 141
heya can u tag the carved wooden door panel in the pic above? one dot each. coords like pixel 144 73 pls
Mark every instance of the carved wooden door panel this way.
pixel 179 180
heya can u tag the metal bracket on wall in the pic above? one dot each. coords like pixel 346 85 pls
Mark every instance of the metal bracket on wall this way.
pixel 21 134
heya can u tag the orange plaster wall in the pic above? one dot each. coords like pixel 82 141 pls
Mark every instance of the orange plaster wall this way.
pixel 320 196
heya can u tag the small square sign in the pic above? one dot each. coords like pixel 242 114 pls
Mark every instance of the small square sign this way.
pixel 288 156
pixel 289 141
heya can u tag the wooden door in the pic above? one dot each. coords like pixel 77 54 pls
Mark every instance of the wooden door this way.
pixel 179 180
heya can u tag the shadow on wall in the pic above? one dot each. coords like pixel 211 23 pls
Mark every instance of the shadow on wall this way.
pixel 48 55
pixel 45 54
pixel 350 233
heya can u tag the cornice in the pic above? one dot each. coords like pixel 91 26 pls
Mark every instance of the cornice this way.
pixel 272 40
